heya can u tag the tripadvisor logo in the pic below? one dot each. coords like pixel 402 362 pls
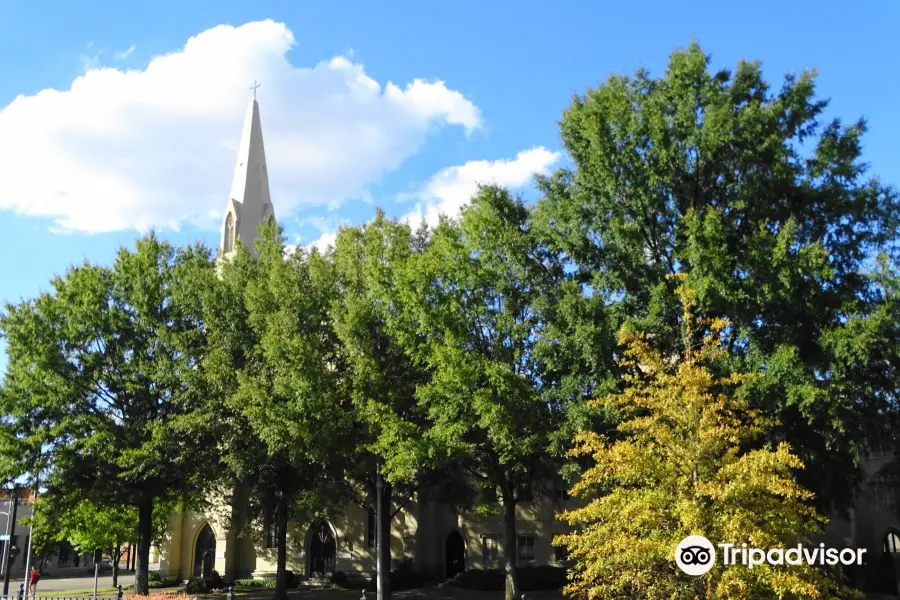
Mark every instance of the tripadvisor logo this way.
pixel 695 555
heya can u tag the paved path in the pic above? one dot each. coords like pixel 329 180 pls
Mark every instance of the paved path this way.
pixel 47 584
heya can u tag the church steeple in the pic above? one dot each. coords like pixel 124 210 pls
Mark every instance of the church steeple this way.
pixel 249 204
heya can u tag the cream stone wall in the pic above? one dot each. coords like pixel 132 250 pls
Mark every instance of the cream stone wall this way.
pixel 177 553
pixel 245 557
pixel 352 556
pixel 536 518
pixel 420 532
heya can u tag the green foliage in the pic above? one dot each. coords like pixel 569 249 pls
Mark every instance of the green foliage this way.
pixel 268 582
pixel 46 530
pixel 155 581
pixel 486 300
pixel 138 387
pixel 196 585
pixel 374 331
pixel 770 212
pixel 478 294
pixel 90 527
pixel 272 378
pixel 99 378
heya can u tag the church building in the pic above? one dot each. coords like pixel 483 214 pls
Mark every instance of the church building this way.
pixel 430 535
pixel 436 538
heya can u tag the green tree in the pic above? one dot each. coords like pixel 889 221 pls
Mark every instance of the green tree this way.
pixel 482 296
pixel 276 361
pixel 770 212
pixel 99 376
pixel 46 531
pixel 91 528
pixel 679 465
pixel 370 263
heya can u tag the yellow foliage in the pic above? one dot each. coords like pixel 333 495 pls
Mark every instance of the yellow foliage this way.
pixel 677 467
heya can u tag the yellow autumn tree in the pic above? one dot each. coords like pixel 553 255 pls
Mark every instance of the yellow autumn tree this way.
pixel 678 465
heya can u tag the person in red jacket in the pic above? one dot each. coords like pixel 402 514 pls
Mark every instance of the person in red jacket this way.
pixel 33 579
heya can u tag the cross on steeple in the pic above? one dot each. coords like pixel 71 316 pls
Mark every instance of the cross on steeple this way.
pixel 253 87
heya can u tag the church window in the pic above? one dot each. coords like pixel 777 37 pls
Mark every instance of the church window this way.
pixel 371 528
pixel 204 552
pixel 560 489
pixel 526 548
pixel 270 526
pixel 885 491
pixel 490 550
pixel 892 543
pixel 228 242
pixel 560 553
pixel 524 492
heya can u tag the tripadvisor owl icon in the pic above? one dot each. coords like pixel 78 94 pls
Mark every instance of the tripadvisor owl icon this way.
pixel 695 555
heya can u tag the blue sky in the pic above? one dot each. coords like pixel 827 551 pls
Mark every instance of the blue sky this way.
pixel 132 147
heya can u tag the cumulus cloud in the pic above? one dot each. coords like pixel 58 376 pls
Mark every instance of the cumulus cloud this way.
pixel 123 149
pixel 449 190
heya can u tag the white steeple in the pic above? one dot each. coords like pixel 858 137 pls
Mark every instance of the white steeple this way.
pixel 249 204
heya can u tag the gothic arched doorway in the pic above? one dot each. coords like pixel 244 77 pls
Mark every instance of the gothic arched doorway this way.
pixel 456 554
pixel 322 549
pixel 204 552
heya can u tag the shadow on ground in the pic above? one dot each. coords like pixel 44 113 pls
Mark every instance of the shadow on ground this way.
pixel 429 593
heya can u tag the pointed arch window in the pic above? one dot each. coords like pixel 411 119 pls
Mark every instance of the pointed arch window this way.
pixel 891 543
pixel 228 242
pixel 371 528
pixel 270 525
pixel 204 552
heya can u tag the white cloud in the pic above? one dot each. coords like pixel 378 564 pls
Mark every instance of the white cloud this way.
pixel 156 147
pixel 449 190
pixel 125 53
pixel 326 239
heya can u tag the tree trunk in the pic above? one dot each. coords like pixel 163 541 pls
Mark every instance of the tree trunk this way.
pixel 510 552
pixel 144 538
pixel 128 557
pixel 116 554
pixel 383 492
pixel 281 542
